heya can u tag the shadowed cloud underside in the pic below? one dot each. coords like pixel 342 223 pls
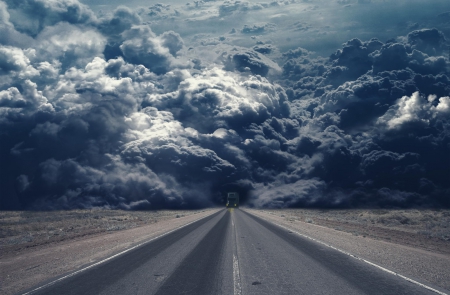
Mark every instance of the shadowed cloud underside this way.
pixel 171 106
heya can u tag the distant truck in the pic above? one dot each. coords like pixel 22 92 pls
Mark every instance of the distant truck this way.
pixel 232 200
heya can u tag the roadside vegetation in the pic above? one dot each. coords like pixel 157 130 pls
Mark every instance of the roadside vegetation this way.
pixel 31 228
pixel 427 229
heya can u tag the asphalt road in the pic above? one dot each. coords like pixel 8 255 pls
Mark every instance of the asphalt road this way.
pixel 233 252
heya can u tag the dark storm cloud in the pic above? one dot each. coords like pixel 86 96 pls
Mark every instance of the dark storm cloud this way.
pixel 372 93
pixel 429 41
pixel 264 48
pixel 258 29
pixel 354 56
pixel 248 60
pixel 103 111
pixel 122 19
pixel 8 34
pixel 32 16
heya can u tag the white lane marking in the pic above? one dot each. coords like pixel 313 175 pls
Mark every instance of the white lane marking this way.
pixel 236 276
pixel 236 273
pixel 364 260
pixel 111 257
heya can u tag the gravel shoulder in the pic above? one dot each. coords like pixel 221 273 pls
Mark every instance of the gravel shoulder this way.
pixel 421 257
pixel 38 246
pixel 31 252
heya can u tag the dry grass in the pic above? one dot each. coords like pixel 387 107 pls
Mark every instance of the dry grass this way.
pixel 38 246
pixel 427 229
pixel 29 228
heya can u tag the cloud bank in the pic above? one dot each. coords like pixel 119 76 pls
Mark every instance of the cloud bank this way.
pixel 109 111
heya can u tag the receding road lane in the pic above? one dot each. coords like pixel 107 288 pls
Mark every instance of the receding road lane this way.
pixel 233 252
pixel 274 260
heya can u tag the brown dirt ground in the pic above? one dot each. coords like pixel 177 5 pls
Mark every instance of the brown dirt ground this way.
pixel 38 246
pixel 21 230
pixel 423 229
pixel 414 243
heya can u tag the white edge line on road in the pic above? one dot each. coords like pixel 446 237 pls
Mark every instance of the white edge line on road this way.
pixel 364 260
pixel 109 258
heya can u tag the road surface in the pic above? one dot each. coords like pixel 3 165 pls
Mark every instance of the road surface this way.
pixel 232 252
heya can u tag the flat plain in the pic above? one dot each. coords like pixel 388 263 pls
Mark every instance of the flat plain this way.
pixel 413 243
pixel 30 229
pixel 38 246
pixel 425 229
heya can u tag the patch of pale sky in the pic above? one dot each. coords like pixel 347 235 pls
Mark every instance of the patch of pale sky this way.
pixel 320 26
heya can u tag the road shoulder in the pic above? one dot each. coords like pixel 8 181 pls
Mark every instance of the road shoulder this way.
pixel 32 266
pixel 424 266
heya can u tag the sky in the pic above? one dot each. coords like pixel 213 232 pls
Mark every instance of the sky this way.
pixel 137 105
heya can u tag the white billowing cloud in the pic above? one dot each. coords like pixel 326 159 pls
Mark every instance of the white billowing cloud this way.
pixel 100 81
pixel 71 45
pixel 13 59
pixel 154 127
pixel 159 141
pixel 94 78
pixel 218 98
pixel 172 41
pixel 432 97
pixel 142 46
pixel 11 97
pixel 408 109
pixel 15 104
pixel 444 105
pixel 414 109
pixel 153 133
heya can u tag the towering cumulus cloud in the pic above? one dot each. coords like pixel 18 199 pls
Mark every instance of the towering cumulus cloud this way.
pixel 119 109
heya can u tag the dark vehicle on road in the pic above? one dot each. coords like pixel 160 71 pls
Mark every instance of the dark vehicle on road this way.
pixel 232 200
